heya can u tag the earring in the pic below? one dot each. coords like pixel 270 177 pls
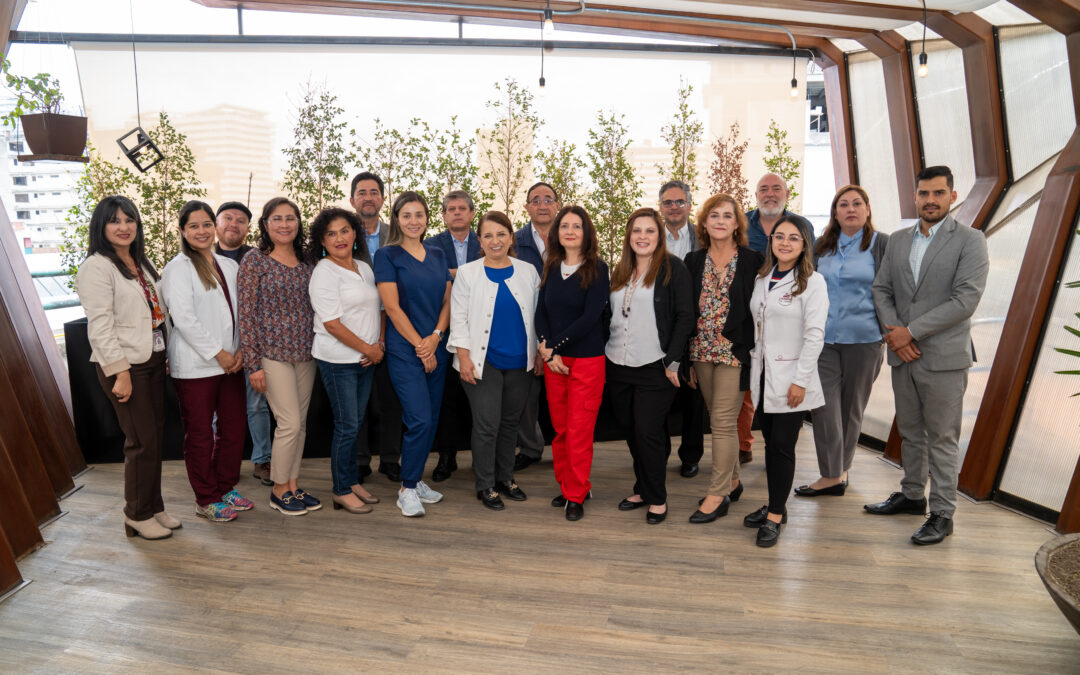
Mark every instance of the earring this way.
pixel 323 252
pixel 355 246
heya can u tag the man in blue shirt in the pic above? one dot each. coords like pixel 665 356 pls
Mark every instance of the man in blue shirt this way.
pixel 458 242
pixel 366 196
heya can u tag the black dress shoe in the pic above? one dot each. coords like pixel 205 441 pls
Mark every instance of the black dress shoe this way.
pixel 560 501
pixel 522 460
pixel 807 491
pixel 897 503
pixel 490 499
pixel 758 518
pixel 511 490
pixel 392 470
pixel 446 466
pixel 700 516
pixel 627 505
pixel 655 518
pixel 362 472
pixel 736 493
pixel 574 510
pixel 768 534
pixel 934 530
pixel 746 456
pixel 689 470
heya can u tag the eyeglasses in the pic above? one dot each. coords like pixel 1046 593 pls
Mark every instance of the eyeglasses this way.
pixel 289 220
pixel 780 238
pixel 546 201
pixel 667 203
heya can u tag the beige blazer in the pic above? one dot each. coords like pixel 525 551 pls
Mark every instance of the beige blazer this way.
pixel 119 324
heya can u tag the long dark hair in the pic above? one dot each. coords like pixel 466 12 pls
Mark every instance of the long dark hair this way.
pixel 831 236
pixel 620 276
pixel 319 226
pixel 590 247
pixel 105 213
pixel 265 244
pixel 394 235
pixel 804 266
pixel 203 268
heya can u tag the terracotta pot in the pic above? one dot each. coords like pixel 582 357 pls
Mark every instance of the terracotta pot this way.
pixel 1068 605
pixel 53 134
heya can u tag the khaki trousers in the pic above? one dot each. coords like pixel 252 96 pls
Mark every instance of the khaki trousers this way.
pixel 723 399
pixel 288 391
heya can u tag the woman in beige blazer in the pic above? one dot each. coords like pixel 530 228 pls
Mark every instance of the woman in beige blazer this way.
pixel 126 325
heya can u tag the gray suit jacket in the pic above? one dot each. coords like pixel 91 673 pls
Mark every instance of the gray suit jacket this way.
pixel 937 307
pixel 384 230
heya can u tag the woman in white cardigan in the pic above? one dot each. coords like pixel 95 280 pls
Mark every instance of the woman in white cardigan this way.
pixel 790 305
pixel 204 362
pixel 493 341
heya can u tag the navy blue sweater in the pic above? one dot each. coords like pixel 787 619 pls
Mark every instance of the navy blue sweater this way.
pixel 569 318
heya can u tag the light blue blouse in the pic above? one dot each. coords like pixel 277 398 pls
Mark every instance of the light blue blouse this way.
pixel 849 274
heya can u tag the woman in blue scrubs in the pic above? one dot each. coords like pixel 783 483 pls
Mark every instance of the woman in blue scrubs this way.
pixel 414 284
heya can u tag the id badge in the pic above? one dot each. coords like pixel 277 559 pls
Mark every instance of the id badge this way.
pixel 159 341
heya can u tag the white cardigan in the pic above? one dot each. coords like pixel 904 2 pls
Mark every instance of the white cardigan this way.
pixel 472 305
pixel 789 332
pixel 202 322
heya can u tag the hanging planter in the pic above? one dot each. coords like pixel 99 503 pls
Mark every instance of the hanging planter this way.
pixel 49 134
pixel 55 134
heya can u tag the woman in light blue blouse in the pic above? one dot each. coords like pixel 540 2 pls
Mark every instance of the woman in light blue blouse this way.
pixel 848 255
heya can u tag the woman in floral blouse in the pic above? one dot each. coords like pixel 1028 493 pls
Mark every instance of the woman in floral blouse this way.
pixel 275 336
pixel 722 272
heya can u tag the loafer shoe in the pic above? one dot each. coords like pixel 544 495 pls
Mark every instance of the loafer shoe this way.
pixel 897 503
pixel 310 502
pixel 522 461
pixel 392 471
pixel 444 468
pixel 628 505
pixel 689 470
pixel 560 502
pixel 409 503
pixel 758 518
pixel 574 510
pixel 699 516
pixel 490 498
pixel 287 504
pixel 510 490
pixel 768 534
pixel 746 456
pixel 934 530
pixel 655 518
pixel 833 490
pixel 426 494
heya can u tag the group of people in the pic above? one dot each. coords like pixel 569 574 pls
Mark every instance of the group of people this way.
pixel 741 315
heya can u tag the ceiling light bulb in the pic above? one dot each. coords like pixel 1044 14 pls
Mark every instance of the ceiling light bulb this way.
pixel 549 25
pixel 543 82
pixel 923 68
pixel 794 87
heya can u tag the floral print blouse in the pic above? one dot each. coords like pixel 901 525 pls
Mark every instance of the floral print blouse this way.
pixel 709 345
pixel 276 319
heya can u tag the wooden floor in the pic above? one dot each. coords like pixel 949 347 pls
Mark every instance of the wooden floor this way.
pixel 465 589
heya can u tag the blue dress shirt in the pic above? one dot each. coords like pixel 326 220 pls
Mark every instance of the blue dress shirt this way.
pixel 849 275
pixel 919 244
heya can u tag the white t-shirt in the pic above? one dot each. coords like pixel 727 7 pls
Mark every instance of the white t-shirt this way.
pixel 338 293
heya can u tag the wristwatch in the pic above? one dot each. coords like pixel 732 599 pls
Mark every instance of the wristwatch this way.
pixel 439 333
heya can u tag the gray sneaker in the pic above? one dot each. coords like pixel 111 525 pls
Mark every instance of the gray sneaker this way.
pixel 426 494
pixel 409 502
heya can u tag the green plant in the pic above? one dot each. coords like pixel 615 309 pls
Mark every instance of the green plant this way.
pixel 318 158
pixel 683 134
pixel 778 159
pixel 38 93
pixel 1075 332
pixel 507 146
pixel 616 188
pixel 726 168
pixel 389 155
pixel 561 166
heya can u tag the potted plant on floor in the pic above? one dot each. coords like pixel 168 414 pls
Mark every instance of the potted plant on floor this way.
pixel 37 105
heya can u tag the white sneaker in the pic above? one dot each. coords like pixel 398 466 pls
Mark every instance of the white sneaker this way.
pixel 409 502
pixel 427 495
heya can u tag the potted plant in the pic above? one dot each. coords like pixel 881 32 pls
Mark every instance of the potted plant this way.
pixel 37 105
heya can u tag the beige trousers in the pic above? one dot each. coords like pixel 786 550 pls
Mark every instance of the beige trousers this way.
pixel 720 389
pixel 288 391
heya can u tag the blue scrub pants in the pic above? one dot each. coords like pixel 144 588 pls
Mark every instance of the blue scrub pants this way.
pixel 420 395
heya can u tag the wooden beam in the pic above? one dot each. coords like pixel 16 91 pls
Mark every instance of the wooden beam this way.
pixel 17 519
pixel 837 100
pixel 9 570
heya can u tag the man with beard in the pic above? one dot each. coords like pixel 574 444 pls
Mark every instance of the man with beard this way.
pixel 381 428
pixel 530 243
pixel 931 279
pixel 233 221
pixel 459 245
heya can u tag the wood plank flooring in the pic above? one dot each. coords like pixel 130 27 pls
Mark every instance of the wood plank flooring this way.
pixel 465 589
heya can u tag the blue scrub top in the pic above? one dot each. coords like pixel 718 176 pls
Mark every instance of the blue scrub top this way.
pixel 849 275
pixel 421 287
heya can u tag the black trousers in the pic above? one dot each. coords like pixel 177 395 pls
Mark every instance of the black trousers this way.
pixel 690 403
pixel 781 432
pixel 381 430
pixel 640 398
pixel 455 417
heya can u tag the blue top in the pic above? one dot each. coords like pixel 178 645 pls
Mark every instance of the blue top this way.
pixel 456 253
pixel 569 318
pixel 919 244
pixel 507 342
pixel 421 287
pixel 526 250
pixel 373 240
pixel 849 274
pixel 755 233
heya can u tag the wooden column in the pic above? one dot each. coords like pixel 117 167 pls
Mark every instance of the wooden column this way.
pixel 29 472
pixel 17 520
pixel 9 571
pixel 831 61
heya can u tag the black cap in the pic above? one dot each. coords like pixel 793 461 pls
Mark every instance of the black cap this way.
pixel 233 205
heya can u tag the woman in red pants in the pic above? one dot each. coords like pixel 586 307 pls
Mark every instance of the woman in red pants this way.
pixel 569 325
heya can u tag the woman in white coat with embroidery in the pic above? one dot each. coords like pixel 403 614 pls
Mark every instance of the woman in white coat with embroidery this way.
pixel 790 305
pixel 493 340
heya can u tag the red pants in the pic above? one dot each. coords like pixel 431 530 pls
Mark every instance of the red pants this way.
pixel 213 456
pixel 746 419
pixel 573 401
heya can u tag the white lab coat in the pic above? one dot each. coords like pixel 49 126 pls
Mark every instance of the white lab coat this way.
pixel 203 324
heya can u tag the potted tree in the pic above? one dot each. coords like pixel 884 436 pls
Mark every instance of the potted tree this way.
pixel 37 104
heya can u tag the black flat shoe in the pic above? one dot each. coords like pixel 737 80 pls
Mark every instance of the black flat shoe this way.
pixel 627 505
pixel 758 518
pixel 574 510
pixel 392 471
pixel 807 491
pixel 522 461
pixel 510 490
pixel 655 518
pixel 768 534
pixel 934 530
pixel 490 499
pixel 689 470
pixel 560 501
pixel 445 468
pixel 700 516
pixel 897 503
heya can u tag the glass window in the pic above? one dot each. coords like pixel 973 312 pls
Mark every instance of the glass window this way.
pixel 873 140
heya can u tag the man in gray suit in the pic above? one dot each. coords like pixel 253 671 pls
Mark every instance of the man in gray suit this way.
pixel 930 282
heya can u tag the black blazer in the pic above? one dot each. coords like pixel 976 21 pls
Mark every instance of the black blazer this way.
pixel 673 307
pixel 739 328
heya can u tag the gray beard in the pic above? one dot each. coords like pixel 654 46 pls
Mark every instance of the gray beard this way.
pixel 772 213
